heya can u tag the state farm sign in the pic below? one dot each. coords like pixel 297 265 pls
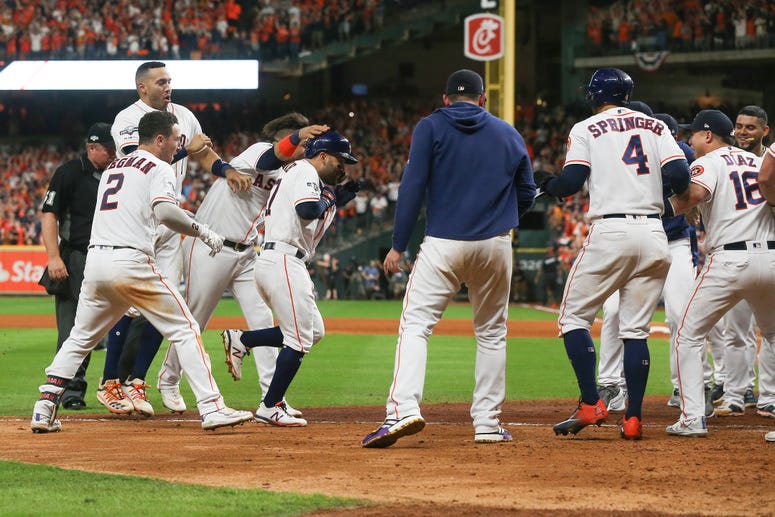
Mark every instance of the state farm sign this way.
pixel 483 37
pixel 20 269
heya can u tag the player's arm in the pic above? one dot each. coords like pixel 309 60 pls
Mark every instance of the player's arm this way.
pixel 566 184
pixel 766 178
pixel 209 160
pixel 526 188
pixel 315 209
pixel 414 185
pixel 176 219
pixel 289 148
pixel 691 197
pixel 49 233
pixel 677 174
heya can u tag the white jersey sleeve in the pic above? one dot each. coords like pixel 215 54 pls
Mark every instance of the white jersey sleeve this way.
pixel 771 150
pixel 128 189
pixel 625 151
pixel 238 215
pixel 735 209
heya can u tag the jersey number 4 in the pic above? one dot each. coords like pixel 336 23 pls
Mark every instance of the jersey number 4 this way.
pixel 633 155
pixel 108 203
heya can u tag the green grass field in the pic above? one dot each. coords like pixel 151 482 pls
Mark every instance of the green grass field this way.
pixel 341 370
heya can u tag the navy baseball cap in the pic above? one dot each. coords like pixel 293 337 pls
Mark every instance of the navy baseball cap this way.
pixel 710 120
pixel 464 82
pixel 641 106
pixel 670 122
pixel 99 133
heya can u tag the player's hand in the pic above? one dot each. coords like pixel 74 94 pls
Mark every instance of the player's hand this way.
pixel 693 216
pixel 306 133
pixel 392 263
pixel 542 177
pixel 212 239
pixel 57 269
pixel 238 182
pixel 198 144
pixel 346 192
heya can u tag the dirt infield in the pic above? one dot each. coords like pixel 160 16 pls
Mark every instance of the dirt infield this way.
pixel 440 471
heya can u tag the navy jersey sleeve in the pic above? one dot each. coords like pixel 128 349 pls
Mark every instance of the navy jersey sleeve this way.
pixel 414 184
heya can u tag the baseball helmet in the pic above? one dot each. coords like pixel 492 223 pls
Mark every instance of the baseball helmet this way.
pixel 332 143
pixel 609 86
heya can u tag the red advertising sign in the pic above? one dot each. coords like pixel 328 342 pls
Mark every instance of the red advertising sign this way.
pixel 483 37
pixel 20 269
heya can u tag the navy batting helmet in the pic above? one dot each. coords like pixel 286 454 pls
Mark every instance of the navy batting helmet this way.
pixel 332 143
pixel 609 86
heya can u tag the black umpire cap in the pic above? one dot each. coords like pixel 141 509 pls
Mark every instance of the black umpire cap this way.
pixel 99 133
pixel 464 82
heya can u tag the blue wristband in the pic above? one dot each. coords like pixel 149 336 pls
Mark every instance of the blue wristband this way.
pixel 220 167
pixel 182 153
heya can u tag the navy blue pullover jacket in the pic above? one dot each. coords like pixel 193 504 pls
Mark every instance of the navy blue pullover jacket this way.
pixel 472 170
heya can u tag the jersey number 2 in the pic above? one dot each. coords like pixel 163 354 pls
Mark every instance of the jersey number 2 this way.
pixel 633 155
pixel 107 203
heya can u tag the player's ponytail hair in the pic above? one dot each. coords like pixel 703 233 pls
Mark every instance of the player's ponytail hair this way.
pixel 155 123
pixel 291 122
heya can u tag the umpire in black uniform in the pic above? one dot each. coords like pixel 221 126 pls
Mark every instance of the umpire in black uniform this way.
pixel 66 220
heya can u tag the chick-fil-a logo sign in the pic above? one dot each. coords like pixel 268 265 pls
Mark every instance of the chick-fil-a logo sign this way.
pixel 484 37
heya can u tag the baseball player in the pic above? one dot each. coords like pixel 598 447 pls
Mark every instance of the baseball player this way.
pixel 134 192
pixel 736 371
pixel 474 174
pixel 154 87
pixel 611 384
pixel 301 206
pixel 237 216
pixel 623 155
pixel 740 239
pixel 766 182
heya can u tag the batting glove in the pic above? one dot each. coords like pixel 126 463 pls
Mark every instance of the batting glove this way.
pixel 346 192
pixel 212 239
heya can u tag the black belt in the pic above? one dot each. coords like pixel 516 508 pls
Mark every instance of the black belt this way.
pixel 625 216
pixel 236 246
pixel 271 246
pixel 740 246
pixel 108 247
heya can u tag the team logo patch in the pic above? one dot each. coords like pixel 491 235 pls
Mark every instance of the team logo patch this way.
pixel 697 170
pixel 128 131
pixel 314 187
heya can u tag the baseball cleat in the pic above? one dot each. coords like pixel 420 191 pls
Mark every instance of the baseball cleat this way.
pixel 692 428
pixel 585 414
pixel 717 393
pixel 498 436
pixel 391 430
pixel 631 428
pixel 235 352
pixel 225 417
pixel 172 399
pixel 134 390
pixel 278 415
pixel 769 437
pixel 44 418
pixel 675 399
pixel 750 399
pixel 728 409
pixel 112 397
pixel 292 410
pixel 767 411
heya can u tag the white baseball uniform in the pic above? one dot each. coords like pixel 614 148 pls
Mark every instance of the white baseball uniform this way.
pixel 289 243
pixel 740 239
pixel 121 272
pixel 626 248
pixel 237 216
pixel 124 131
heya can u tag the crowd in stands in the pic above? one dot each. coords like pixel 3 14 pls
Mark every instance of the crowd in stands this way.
pixel 628 26
pixel 182 29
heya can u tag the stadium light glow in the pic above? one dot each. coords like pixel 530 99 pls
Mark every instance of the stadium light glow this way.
pixel 214 74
